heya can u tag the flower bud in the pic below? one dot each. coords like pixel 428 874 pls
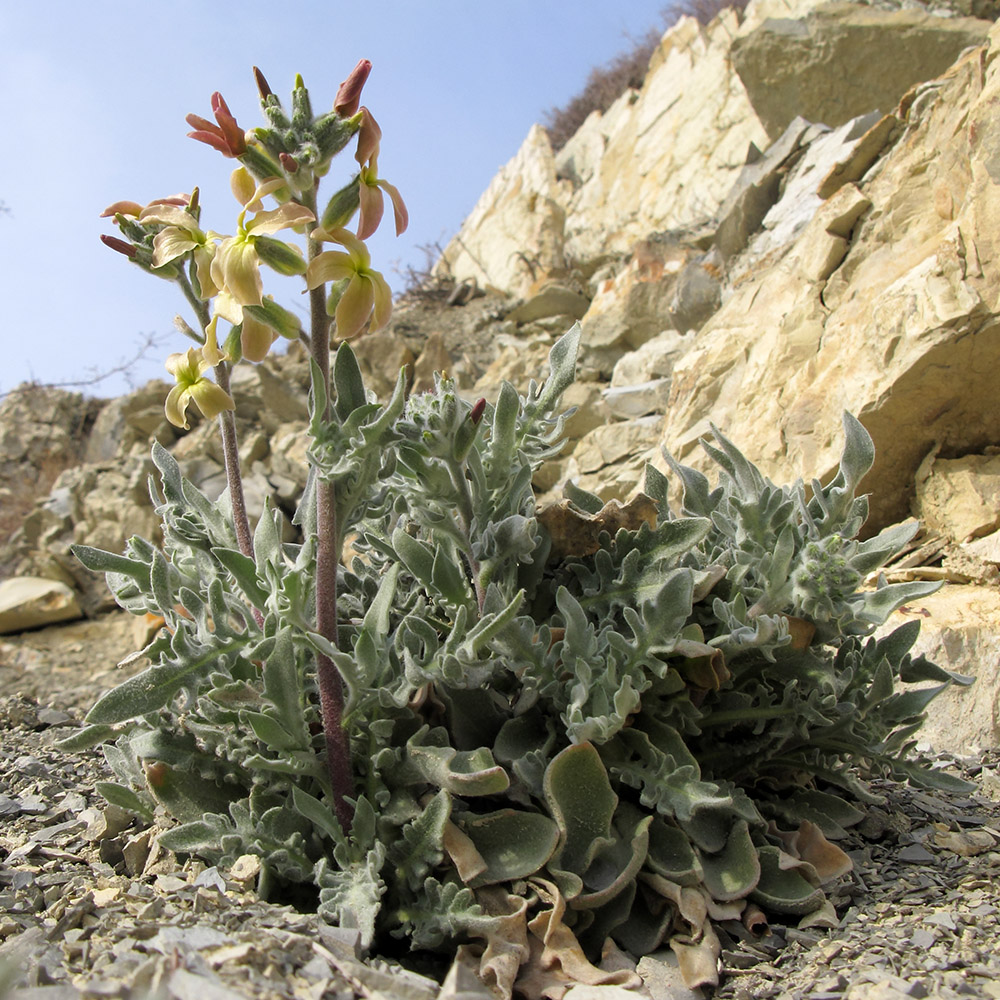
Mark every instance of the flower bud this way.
pixel 120 246
pixel 341 207
pixel 302 115
pixel 332 133
pixel 349 94
pixel 288 162
pixel 242 185
pixel 258 160
pixel 228 124
pixel 279 256
pixel 226 136
pixel 276 317
pixel 262 87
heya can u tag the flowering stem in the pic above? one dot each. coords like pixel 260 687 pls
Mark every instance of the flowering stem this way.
pixel 230 445
pixel 234 476
pixel 338 753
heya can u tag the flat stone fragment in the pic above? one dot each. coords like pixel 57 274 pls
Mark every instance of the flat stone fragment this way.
pixel 28 602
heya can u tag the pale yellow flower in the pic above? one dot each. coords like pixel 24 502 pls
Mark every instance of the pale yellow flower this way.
pixel 192 386
pixel 236 265
pixel 180 236
pixel 367 294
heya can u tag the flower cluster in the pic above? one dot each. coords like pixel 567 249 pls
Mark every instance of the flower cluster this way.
pixel 221 275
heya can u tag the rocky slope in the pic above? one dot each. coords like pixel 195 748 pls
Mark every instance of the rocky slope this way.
pixel 749 241
pixel 764 235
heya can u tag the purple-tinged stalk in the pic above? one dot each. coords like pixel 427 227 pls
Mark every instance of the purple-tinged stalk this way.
pixel 331 694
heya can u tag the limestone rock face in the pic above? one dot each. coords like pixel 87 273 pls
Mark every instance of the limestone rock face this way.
pixel 42 431
pixel 127 424
pixel 659 158
pixel 886 305
pixel 515 231
pixel 670 161
pixel 835 63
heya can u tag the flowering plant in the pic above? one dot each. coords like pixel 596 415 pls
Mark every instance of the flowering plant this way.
pixel 515 731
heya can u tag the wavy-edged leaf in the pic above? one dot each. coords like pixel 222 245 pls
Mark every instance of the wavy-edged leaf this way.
pixel 189 662
pixel 784 889
pixel 513 843
pixel 582 802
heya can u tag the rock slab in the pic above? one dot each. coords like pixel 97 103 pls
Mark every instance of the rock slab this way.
pixel 28 602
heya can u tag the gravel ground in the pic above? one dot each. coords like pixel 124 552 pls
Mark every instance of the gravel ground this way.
pixel 89 906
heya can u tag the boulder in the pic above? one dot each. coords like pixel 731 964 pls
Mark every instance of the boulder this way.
pixel 629 401
pixel 551 299
pixel 653 360
pixel 609 460
pixel 960 631
pixel 665 286
pixel 959 498
pixel 845 59
pixel 28 602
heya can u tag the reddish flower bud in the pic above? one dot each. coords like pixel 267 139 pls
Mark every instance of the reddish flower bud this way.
pixel 476 414
pixel 119 245
pixel 262 87
pixel 227 136
pixel 228 124
pixel 288 162
pixel 349 95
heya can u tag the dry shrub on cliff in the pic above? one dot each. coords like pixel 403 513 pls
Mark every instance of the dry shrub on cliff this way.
pixel 607 83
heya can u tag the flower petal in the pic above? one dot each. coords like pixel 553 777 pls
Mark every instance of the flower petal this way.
pixel 210 398
pixel 237 260
pixel 357 249
pixel 228 308
pixel 242 185
pixel 383 301
pixel 256 203
pixel 169 215
pixel 398 206
pixel 355 307
pixel 369 137
pixel 171 243
pixel 176 405
pixel 284 217
pixel 203 257
pixel 256 338
pixel 210 352
pixel 210 138
pixel 331 265
pixel 122 208
pixel 372 207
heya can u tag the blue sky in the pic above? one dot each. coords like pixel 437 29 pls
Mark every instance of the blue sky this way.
pixel 95 96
